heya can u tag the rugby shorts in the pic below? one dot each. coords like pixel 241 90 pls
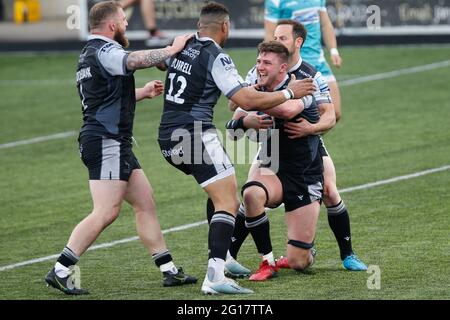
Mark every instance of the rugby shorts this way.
pixel 108 159
pixel 200 155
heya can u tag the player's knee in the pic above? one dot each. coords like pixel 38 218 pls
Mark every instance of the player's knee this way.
pixel 300 262
pixel 254 198
pixel 330 194
pixel 230 204
pixel 299 254
pixel 106 215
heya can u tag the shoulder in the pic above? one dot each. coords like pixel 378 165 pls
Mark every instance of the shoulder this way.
pixel 307 70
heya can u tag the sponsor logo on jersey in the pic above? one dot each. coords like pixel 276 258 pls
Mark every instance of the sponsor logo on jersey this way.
pixel 191 53
pixel 226 61
pixel 173 152
pixel 83 74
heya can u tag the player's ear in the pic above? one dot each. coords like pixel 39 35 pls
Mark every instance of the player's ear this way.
pixel 112 26
pixel 225 25
pixel 283 67
pixel 299 42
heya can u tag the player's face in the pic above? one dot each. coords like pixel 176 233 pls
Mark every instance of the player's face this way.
pixel 268 68
pixel 283 33
pixel 121 24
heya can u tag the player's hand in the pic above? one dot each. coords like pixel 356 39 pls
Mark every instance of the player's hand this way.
pixel 255 121
pixel 336 60
pixel 153 89
pixel 179 43
pixel 299 129
pixel 302 87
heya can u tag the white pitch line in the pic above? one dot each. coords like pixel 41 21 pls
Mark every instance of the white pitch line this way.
pixel 38 139
pixel 395 179
pixel 344 83
pixel 394 73
pixel 101 246
pixel 199 223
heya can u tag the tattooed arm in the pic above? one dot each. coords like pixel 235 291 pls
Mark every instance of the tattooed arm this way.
pixel 149 58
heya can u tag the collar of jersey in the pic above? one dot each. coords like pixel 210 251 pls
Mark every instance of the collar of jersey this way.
pixel 280 85
pixel 97 36
pixel 206 39
pixel 296 66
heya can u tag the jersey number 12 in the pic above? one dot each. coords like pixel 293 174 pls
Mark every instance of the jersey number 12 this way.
pixel 183 83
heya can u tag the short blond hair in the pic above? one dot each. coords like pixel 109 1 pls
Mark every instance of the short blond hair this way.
pixel 101 11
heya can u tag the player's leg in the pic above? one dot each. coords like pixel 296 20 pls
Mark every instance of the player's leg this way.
pixel 336 98
pixel 223 194
pixel 338 218
pixel 301 224
pixel 148 13
pixel 140 195
pixel 264 189
pixel 108 185
pixel 240 230
pixel 233 268
pixel 215 174
pixel 126 3
pixel 322 66
pixel 107 197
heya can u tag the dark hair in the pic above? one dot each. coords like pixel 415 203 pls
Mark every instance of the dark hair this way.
pixel 298 30
pixel 101 11
pixel 275 47
pixel 214 8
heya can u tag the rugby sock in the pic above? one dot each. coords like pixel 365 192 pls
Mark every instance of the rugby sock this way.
pixel 209 210
pixel 220 232
pixel 216 268
pixel 219 238
pixel 153 31
pixel 260 229
pixel 240 232
pixel 339 222
pixel 66 259
pixel 269 258
pixel 163 261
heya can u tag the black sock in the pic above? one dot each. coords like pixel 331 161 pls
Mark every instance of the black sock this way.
pixel 68 258
pixel 259 227
pixel 220 232
pixel 240 232
pixel 209 210
pixel 162 258
pixel 339 222
pixel 153 31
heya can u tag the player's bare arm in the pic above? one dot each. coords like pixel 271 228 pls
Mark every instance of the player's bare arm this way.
pixel 303 127
pixel 269 28
pixel 329 38
pixel 148 58
pixel 287 110
pixel 248 98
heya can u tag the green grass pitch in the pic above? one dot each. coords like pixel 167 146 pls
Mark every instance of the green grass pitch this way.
pixel 390 127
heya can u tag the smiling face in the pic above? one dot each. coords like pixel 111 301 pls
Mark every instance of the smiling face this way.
pixel 270 70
